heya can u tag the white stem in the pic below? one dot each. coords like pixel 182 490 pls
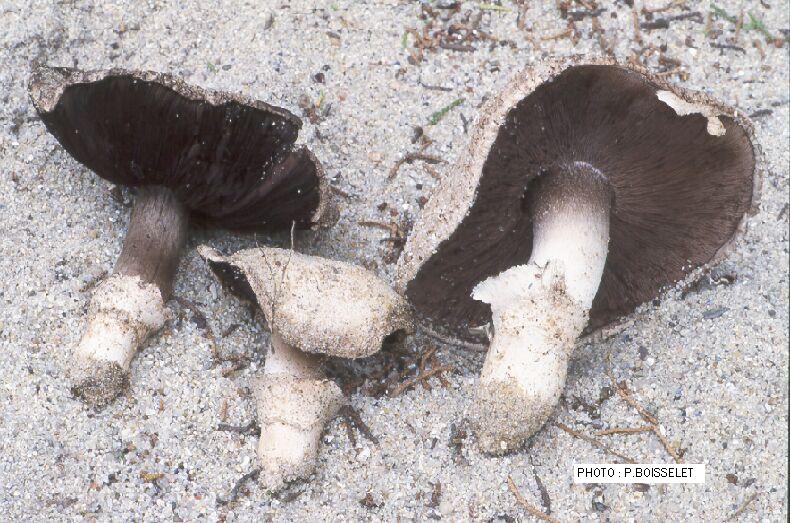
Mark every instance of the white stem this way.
pixel 288 360
pixel 539 309
pixel 123 312
pixel 571 229
pixel 294 404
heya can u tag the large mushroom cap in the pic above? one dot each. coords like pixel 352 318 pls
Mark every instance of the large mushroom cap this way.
pixel 315 304
pixel 681 167
pixel 229 159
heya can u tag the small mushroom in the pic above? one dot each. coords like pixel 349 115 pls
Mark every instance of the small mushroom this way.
pixel 587 188
pixel 314 307
pixel 214 157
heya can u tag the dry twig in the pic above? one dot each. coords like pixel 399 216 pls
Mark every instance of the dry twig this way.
pixel 606 45
pixel 434 174
pixel 626 430
pixel 626 395
pixel 476 347
pixel 594 442
pixel 416 379
pixel 637 32
pixel 421 367
pixel 524 503
pixel 234 492
pixel 558 36
pixel 352 418
pixel 647 416
pixel 667 445
pixel 411 157
pixel 669 72
pixel 250 429
pixel 340 192
pixel 392 228
pixel 743 507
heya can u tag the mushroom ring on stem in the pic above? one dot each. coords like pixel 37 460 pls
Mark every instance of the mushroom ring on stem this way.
pixel 192 154
pixel 314 307
pixel 588 186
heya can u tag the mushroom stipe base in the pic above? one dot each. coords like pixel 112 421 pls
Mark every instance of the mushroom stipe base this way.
pixel 539 309
pixel 525 368
pixel 123 312
pixel 292 414
pixel 295 401
pixel 129 306
pixel 98 383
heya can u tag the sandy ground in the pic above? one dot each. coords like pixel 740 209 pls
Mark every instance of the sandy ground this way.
pixel 712 365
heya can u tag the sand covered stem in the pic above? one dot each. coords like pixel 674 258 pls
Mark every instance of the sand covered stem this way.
pixel 130 305
pixel 123 312
pixel 294 405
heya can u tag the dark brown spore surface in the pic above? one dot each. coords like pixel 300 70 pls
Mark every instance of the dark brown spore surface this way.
pixel 679 193
pixel 234 280
pixel 231 164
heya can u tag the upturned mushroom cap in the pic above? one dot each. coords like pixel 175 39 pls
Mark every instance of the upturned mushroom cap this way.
pixel 315 304
pixel 682 168
pixel 229 159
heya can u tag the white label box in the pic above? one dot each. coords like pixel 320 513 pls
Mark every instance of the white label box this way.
pixel 650 473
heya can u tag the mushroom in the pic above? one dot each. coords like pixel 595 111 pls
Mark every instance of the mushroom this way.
pixel 314 307
pixel 587 188
pixel 214 157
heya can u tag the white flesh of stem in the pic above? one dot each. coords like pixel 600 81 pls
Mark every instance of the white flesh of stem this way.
pixel 295 401
pixel 123 312
pixel 540 308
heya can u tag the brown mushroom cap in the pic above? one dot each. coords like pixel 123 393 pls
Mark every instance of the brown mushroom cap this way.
pixel 682 179
pixel 315 304
pixel 228 159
